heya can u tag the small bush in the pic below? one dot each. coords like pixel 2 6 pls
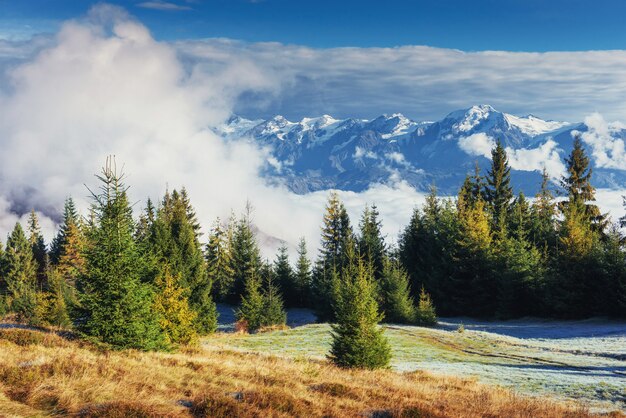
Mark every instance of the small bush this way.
pixel 426 315
pixel 461 328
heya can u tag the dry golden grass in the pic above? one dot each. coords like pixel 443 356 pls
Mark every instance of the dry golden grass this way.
pixel 43 374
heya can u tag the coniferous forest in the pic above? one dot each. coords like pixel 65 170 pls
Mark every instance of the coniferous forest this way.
pixel 152 282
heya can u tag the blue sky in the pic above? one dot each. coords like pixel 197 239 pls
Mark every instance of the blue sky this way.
pixel 511 25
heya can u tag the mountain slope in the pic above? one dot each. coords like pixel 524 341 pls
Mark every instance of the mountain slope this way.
pixel 352 154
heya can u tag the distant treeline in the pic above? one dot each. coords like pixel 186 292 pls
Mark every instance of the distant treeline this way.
pixel 152 282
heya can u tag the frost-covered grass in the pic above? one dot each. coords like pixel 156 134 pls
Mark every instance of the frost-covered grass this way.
pixel 582 360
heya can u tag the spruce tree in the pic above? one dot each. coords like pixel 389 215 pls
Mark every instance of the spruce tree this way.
pixel 40 254
pixel 273 312
pixel 246 257
pixel 425 315
pixel 285 278
pixel 543 217
pixel 303 275
pixel 337 241
pixel 371 243
pixel 357 340
pixel 176 318
pixel 499 192
pixel 70 216
pixel 250 312
pixel 21 278
pixel 396 302
pixel 116 307
pixel 577 185
pixel 219 262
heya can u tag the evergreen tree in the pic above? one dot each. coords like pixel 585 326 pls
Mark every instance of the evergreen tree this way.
pixel 577 185
pixel 71 261
pixel 285 278
pixel 176 318
pixel 273 311
pixel 371 242
pixel 219 262
pixel 58 312
pixel 303 275
pixel 246 256
pixel 395 296
pixel 475 285
pixel 426 315
pixel 543 217
pixel 499 192
pixel 250 312
pixel 519 218
pixel 337 241
pixel 116 307
pixel 38 247
pixel 175 241
pixel 70 216
pixel 357 341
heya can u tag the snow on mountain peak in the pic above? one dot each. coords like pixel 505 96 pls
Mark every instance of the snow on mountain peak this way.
pixel 532 125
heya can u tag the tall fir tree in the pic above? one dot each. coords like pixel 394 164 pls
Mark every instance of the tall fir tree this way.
pixel 40 253
pixel 116 307
pixel 220 262
pixel 285 278
pixel 273 307
pixel 371 242
pixel 543 217
pixel 357 340
pixel 246 256
pixel 499 192
pixel 303 275
pixel 396 302
pixel 337 240
pixel 70 216
pixel 577 186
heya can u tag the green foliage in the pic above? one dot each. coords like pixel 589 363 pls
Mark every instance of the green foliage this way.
pixel 116 307
pixel 219 261
pixel 357 341
pixel 302 275
pixel 371 243
pixel 252 305
pixel 396 302
pixel 246 256
pixel 273 312
pixel 176 318
pixel 70 216
pixel 426 315
pixel 286 279
pixel 499 192
pixel 337 241
pixel 38 246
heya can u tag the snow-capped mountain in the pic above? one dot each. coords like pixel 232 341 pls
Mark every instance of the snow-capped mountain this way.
pixel 351 154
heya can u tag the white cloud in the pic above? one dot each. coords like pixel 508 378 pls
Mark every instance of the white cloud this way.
pixel 479 144
pixel 162 5
pixel 105 86
pixel 366 82
pixel 607 149
pixel 536 159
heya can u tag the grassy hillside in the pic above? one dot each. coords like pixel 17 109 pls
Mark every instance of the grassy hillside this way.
pixel 42 373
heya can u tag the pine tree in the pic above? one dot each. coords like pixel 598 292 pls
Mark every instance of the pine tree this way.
pixel 475 285
pixel 58 312
pixel 357 341
pixel 396 303
pixel 174 240
pixel 371 243
pixel 285 278
pixel 337 241
pixel 246 256
pixel 499 192
pixel 219 262
pixel 116 307
pixel 425 315
pixel 273 311
pixel 250 312
pixel 543 216
pixel 577 185
pixel 519 218
pixel 303 275
pixel 70 216
pixel 176 318
pixel 38 246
